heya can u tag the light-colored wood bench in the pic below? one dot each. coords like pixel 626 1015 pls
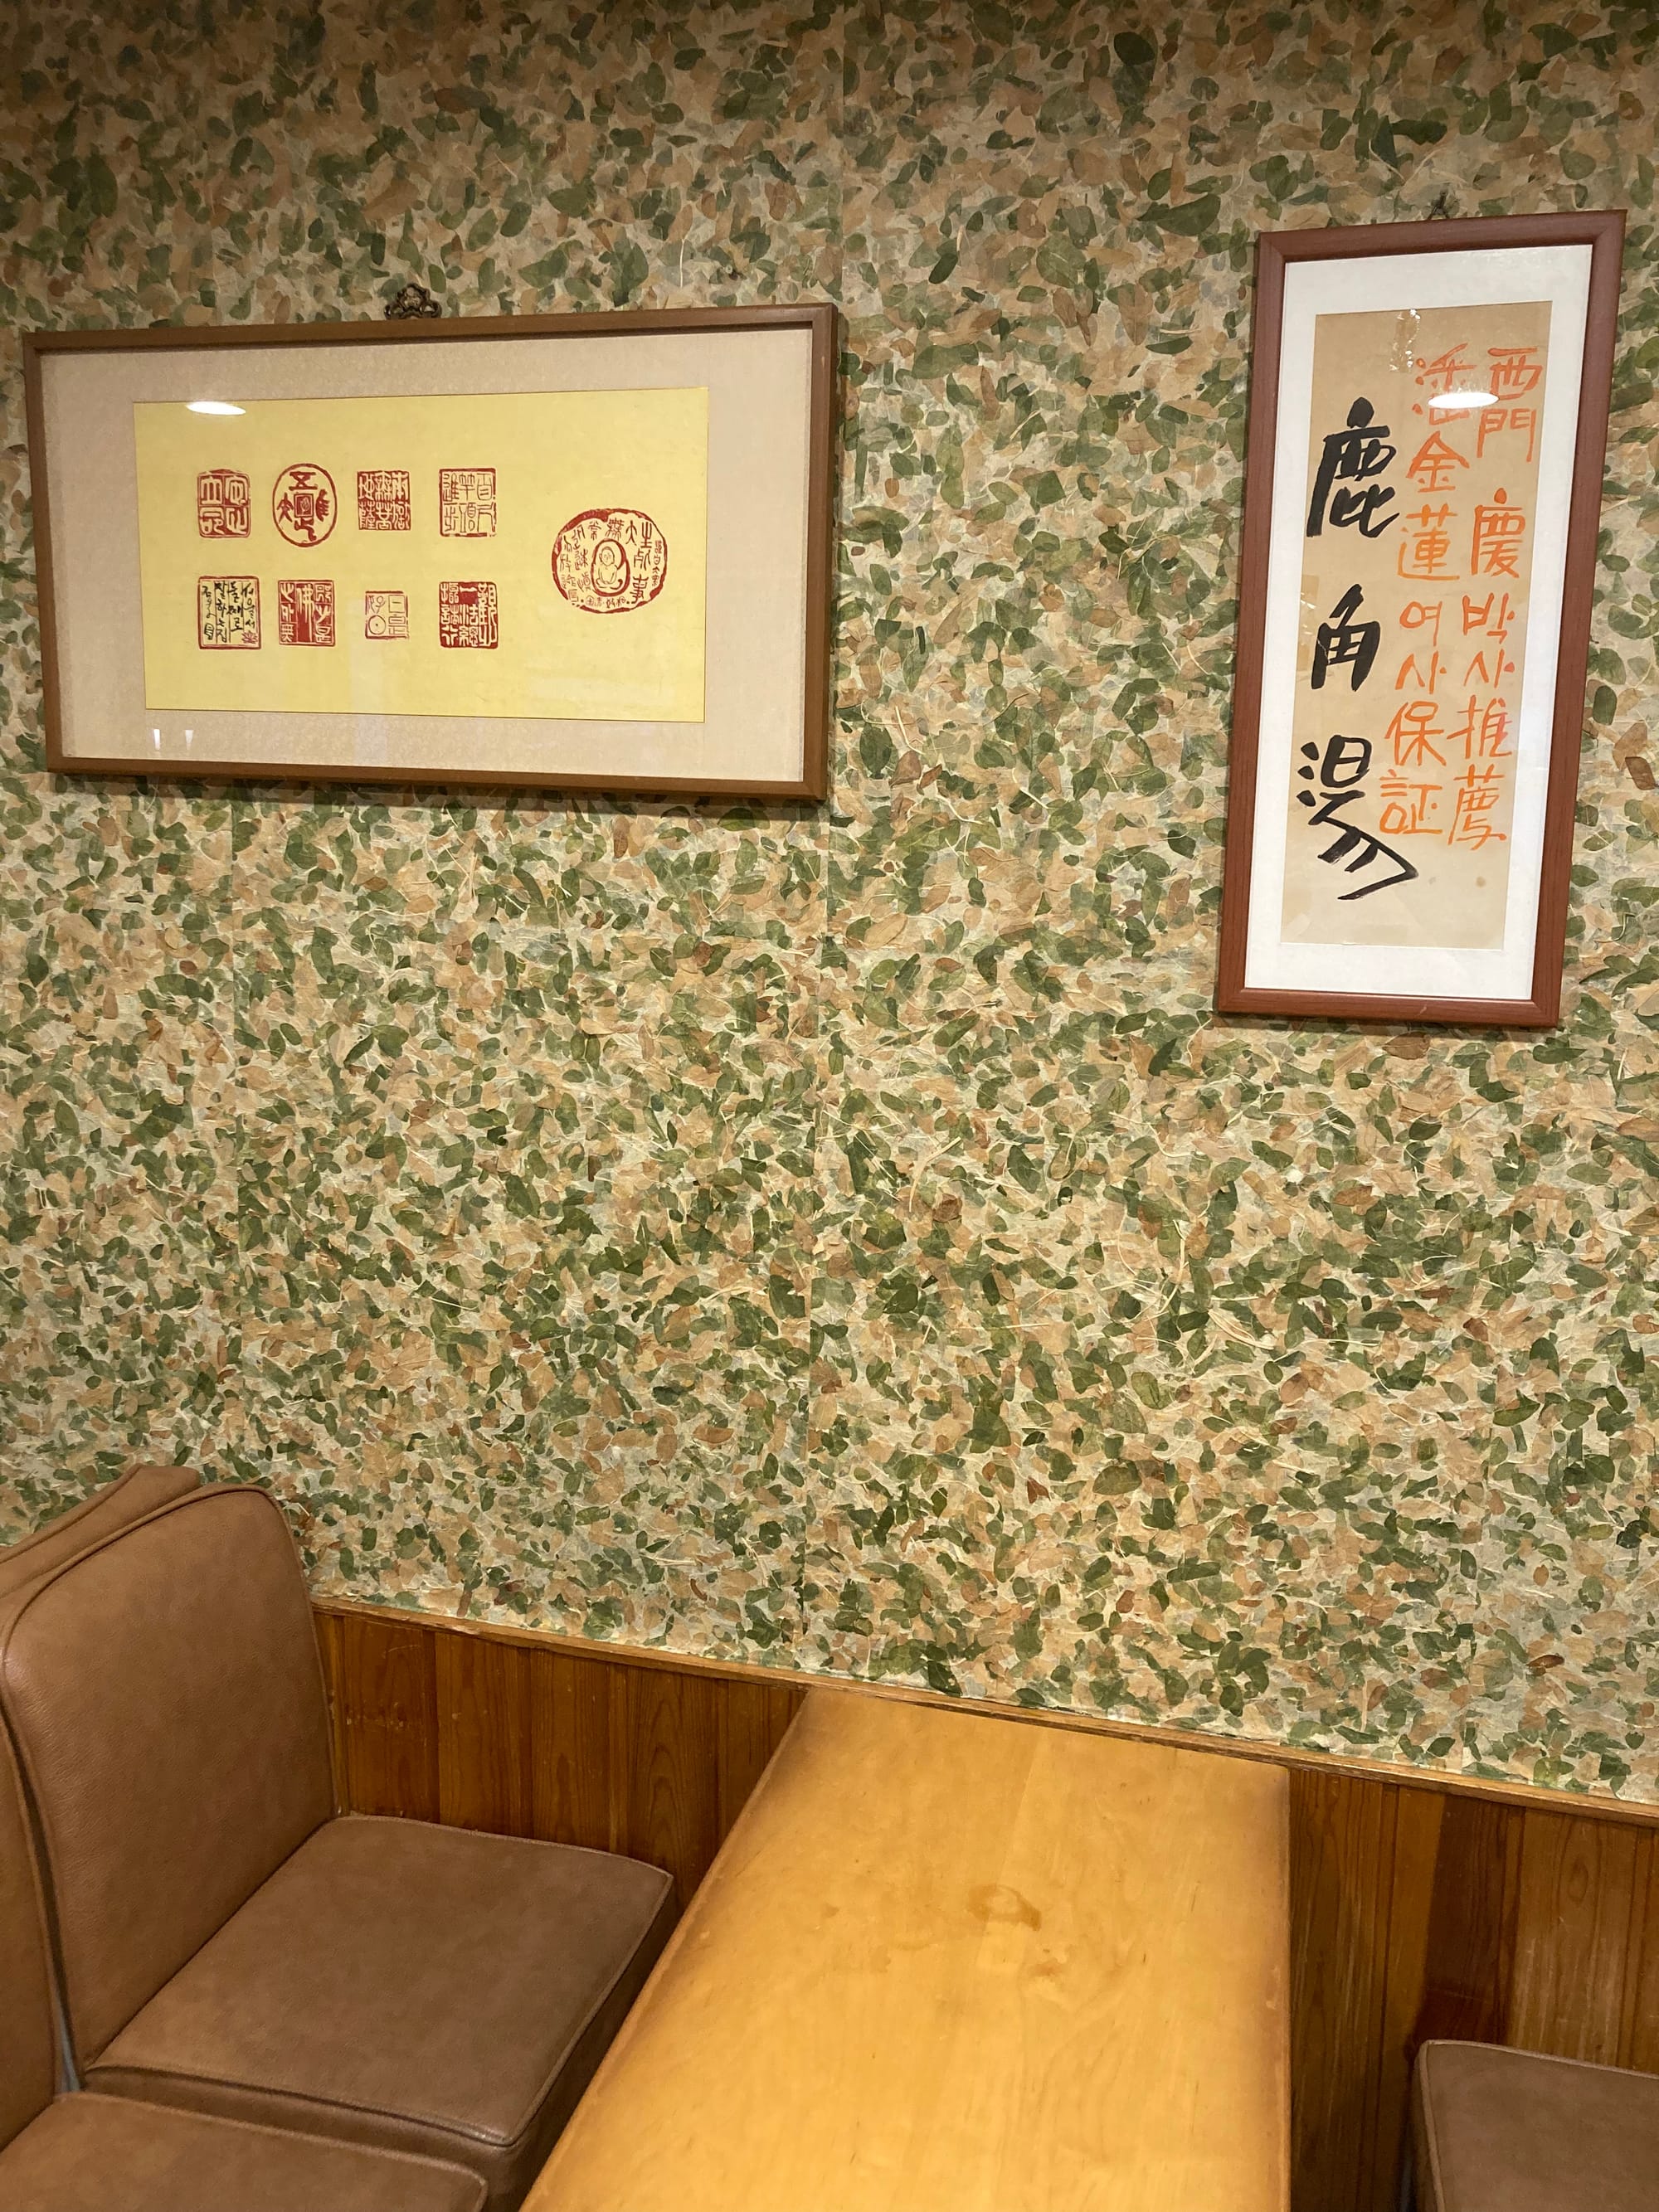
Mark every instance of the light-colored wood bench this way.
pixel 949 1962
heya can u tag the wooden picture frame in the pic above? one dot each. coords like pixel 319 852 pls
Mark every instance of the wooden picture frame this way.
pixel 644 658
pixel 1447 791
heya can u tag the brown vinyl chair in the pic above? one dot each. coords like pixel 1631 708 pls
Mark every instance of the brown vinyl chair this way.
pixel 141 1490
pixel 86 2153
pixel 1501 2130
pixel 230 1944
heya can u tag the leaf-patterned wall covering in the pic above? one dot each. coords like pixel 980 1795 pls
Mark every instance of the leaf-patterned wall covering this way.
pixel 847 1238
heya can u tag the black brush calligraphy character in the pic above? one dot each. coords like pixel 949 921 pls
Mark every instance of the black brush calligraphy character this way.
pixel 1350 458
pixel 1347 762
pixel 1342 771
pixel 1342 642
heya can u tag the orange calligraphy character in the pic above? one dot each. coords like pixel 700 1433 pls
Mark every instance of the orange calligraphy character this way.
pixel 1433 466
pixel 1426 679
pixel 1408 808
pixel 1426 547
pixel 1498 530
pixel 1514 369
pixel 1413 733
pixel 1422 613
pixel 1491 739
pixel 1445 369
pixel 1495 420
pixel 1488 668
pixel 1478 792
pixel 1478 613
pixel 1465 733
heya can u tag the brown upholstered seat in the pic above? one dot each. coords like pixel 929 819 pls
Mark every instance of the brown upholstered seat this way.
pixel 449 1989
pixel 93 2153
pixel 141 1490
pixel 1499 2130
pixel 228 1944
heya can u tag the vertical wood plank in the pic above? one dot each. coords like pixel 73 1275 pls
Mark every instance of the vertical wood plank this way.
pixel 484 1738
pixel 1573 1937
pixel 574 1767
pixel 1638 2043
pixel 752 1721
pixel 328 1627
pixel 672 1809
pixel 1472 1924
pixel 1419 1814
pixel 1341 1873
pixel 385 1703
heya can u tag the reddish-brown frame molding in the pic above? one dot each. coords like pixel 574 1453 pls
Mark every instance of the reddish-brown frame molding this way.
pixel 820 318
pixel 1603 232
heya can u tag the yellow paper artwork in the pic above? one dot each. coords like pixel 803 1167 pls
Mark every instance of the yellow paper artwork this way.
pixel 530 554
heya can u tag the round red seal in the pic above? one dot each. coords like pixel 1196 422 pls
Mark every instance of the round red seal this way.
pixel 610 559
pixel 303 505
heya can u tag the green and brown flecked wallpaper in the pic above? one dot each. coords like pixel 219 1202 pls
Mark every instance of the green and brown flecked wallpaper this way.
pixel 846 1238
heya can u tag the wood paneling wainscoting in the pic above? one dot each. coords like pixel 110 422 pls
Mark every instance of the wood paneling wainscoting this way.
pixel 1419 1907
pixel 530 1736
pixel 1422 1910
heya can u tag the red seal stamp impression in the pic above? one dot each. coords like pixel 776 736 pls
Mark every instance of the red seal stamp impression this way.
pixel 468 614
pixel 383 501
pixel 228 613
pixel 303 505
pixel 305 611
pixel 224 503
pixel 610 559
pixel 386 614
pixel 467 502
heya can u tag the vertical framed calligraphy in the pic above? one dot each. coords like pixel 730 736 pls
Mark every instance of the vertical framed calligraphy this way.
pixel 1423 486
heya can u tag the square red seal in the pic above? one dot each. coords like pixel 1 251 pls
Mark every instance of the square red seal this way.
pixel 386 614
pixel 228 613
pixel 383 501
pixel 467 502
pixel 224 503
pixel 305 609
pixel 468 615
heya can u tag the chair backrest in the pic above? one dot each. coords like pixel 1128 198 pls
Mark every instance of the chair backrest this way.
pixel 27 2039
pixel 141 1490
pixel 166 1697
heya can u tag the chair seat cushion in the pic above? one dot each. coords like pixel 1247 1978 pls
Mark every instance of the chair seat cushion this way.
pixel 1511 2131
pixel 91 2154
pixel 427 1989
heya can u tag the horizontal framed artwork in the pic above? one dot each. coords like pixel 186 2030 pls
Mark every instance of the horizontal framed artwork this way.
pixel 1423 486
pixel 582 552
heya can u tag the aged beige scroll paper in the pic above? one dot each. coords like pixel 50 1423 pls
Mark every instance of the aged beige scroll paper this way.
pixel 1417 560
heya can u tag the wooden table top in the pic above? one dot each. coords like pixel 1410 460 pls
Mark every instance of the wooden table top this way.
pixel 952 1963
